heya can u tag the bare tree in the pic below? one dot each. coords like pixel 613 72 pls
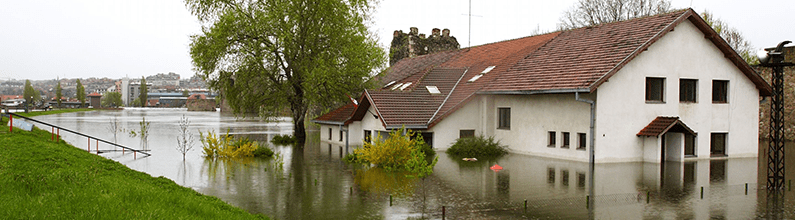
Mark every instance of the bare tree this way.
pixel 185 138
pixel 593 12
pixel 732 36
pixel 114 127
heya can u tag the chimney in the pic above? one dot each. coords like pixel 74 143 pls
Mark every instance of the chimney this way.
pixel 413 31
pixel 396 33
pixel 446 32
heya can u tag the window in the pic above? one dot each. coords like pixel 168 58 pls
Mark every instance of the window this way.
pixel 552 139
pixel 583 138
pixel 564 177
pixel 565 140
pixel 367 136
pixel 655 88
pixel 687 90
pixel 466 133
pixel 505 118
pixel 720 91
pixel 340 134
pixel 329 133
pixel 717 144
pixel 690 145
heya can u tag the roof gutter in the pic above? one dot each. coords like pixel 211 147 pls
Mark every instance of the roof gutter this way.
pixel 412 127
pixel 535 92
pixel 327 122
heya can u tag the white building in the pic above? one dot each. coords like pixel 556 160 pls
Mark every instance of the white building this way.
pixel 665 87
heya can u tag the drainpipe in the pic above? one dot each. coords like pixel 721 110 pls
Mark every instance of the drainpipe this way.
pixel 591 150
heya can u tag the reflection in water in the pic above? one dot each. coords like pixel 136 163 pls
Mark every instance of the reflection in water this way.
pixel 313 183
pixel 376 180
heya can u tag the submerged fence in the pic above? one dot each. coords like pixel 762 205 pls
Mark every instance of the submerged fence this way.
pixel 56 133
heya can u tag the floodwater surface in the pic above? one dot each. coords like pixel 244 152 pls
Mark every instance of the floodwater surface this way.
pixel 313 183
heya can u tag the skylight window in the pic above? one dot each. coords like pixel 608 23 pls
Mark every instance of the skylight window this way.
pixel 405 86
pixel 396 86
pixel 488 69
pixel 476 77
pixel 389 84
pixel 433 90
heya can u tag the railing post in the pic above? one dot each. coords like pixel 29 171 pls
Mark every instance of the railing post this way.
pixel 58 135
pixel 97 145
pixel 89 144
pixel 52 133
pixel 10 122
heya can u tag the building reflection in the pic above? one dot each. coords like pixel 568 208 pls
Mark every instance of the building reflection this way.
pixel 620 188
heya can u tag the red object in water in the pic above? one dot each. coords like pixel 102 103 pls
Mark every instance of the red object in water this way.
pixel 496 168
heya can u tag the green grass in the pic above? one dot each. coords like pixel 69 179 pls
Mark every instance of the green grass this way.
pixel 59 111
pixel 41 179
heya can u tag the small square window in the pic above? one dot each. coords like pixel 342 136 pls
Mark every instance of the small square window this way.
pixel 505 118
pixel 687 90
pixel 565 140
pixel 582 140
pixel 466 133
pixel 720 91
pixel 552 137
pixel 655 89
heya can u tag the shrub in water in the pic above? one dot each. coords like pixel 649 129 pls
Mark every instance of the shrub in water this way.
pixel 397 153
pixel 226 146
pixel 283 140
pixel 263 152
pixel 478 146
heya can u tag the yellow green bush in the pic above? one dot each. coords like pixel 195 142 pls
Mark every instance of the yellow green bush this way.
pixel 226 146
pixel 402 151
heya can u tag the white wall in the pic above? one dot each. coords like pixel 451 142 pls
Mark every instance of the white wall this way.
pixel 683 53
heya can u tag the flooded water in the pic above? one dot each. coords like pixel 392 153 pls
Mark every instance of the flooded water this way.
pixel 313 183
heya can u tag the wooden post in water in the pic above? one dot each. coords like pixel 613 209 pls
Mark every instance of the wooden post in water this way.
pixel 443 212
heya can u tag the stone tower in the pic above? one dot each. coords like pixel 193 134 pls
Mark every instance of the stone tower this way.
pixel 415 44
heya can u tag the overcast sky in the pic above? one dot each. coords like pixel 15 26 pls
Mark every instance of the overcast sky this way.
pixel 45 39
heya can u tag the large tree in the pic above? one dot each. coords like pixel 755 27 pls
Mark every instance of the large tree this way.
pixel 593 12
pixel 112 99
pixel 58 93
pixel 144 95
pixel 271 55
pixel 29 94
pixel 732 36
pixel 81 94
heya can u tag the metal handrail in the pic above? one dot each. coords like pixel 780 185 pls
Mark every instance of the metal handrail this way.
pixel 81 134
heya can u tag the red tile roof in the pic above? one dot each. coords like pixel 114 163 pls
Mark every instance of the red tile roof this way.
pixel 662 124
pixel 337 116
pixel 94 94
pixel 567 61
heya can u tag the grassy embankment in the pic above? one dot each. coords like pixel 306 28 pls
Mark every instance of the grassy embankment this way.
pixel 42 179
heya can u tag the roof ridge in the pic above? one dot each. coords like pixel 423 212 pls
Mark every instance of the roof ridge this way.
pixel 448 96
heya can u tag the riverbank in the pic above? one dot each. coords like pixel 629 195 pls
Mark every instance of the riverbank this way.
pixel 42 179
